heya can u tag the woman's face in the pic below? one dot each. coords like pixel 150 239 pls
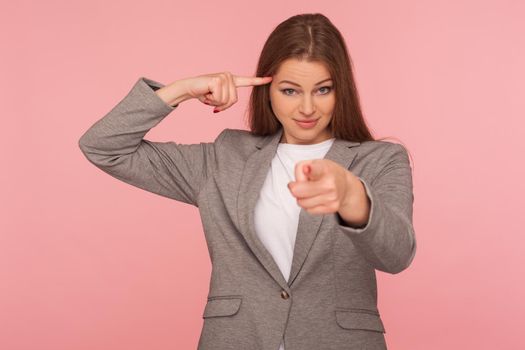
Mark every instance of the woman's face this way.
pixel 302 91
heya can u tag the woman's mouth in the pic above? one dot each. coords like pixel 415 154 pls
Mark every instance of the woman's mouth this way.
pixel 307 124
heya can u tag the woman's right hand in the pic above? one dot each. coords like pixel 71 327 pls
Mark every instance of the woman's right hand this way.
pixel 220 89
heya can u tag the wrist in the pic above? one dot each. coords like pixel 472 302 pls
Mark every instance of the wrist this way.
pixel 174 93
pixel 355 207
pixel 352 189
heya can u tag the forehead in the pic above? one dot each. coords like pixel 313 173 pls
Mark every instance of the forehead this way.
pixel 302 71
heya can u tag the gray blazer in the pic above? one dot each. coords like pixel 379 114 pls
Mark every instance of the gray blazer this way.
pixel 330 299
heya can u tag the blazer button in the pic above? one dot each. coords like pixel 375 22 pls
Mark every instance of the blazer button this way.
pixel 284 294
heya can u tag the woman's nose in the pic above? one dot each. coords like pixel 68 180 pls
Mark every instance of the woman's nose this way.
pixel 307 105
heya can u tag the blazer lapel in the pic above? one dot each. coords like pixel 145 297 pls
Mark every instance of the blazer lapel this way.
pixel 252 180
pixel 255 171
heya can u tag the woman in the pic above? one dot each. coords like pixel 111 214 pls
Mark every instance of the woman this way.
pixel 298 212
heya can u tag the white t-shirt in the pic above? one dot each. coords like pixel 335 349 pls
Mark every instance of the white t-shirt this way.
pixel 277 212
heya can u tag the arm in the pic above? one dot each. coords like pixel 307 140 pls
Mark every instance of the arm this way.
pixel 388 238
pixel 116 145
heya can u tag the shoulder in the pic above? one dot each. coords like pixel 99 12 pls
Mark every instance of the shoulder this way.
pixel 381 149
pixel 239 137
pixel 380 154
pixel 237 141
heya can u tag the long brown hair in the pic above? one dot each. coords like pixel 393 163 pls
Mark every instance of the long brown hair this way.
pixel 310 37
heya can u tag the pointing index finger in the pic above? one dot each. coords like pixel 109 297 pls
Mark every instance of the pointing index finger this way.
pixel 249 81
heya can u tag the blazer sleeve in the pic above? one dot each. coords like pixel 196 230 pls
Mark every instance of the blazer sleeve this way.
pixel 388 239
pixel 116 145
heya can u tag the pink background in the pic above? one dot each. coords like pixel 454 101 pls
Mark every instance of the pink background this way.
pixel 88 262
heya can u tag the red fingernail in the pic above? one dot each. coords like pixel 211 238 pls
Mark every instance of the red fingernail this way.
pixel 215 111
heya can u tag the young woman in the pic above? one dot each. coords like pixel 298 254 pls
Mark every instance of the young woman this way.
pixel 298 212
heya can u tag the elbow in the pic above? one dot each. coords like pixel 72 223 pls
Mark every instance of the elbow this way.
pixel 403 261
pixel 85 149
pixel 395 269
pixel 96 157
pixel 82 144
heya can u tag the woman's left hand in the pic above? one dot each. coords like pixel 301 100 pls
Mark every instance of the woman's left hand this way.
pixel 323 186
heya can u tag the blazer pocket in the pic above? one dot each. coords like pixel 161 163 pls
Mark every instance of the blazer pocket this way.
pixel 222 306
pixel 359 319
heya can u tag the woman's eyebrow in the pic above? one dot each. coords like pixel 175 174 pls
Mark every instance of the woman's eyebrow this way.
pixel 291 82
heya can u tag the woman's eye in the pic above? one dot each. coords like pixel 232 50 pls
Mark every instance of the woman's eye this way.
pixel 326 87
pixel 285 91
